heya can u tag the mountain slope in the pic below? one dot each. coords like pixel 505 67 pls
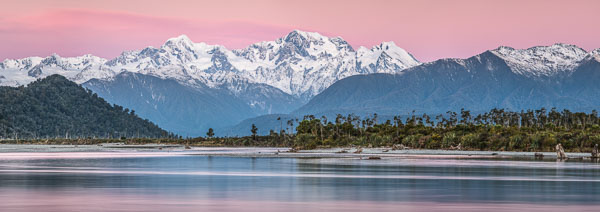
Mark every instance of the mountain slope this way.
pixel 188 111
pixel 183 110
pixel 479 83
pixel 57 107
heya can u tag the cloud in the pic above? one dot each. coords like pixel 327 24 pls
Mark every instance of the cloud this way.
pixel 72 32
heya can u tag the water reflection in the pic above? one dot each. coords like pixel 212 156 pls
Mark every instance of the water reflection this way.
pixel 189 180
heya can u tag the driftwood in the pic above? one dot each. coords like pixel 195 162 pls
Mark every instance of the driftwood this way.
pixel 560 152
pixel 359 150
pixel 399 147
pixel 595 153
pixel 457 147
pixel 342 151
pixel 538 155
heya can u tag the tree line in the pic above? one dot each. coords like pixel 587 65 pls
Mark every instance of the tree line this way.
pixel 497 130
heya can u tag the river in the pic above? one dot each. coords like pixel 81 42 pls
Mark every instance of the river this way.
pixel 193 181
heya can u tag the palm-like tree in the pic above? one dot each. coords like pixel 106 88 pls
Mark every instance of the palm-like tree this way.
pixel 210 133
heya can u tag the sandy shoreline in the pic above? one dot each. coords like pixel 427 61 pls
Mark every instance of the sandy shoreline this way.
pixel 163 149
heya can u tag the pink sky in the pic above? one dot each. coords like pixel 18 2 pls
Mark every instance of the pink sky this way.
pixel 429 29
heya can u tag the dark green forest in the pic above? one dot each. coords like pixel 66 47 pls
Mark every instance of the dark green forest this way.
pixel 55 107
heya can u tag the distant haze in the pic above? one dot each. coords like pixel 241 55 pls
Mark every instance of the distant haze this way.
pixel 428 29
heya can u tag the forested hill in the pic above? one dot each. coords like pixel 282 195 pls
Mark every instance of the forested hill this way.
pixel 56 107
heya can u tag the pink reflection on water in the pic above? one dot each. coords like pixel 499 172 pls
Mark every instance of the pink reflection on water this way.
pixel 67 152
pixel 110 200
pixel 95 170
pixel 79 155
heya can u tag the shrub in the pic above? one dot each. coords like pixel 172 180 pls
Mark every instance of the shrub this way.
pixel 411 141
pixel 470 141
pixel 450 139
pixel 515 142
pixel 305 141
pixel 549 141
pixel 536 141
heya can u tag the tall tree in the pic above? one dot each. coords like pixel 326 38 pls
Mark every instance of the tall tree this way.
pixel 210 133
pixel 254 130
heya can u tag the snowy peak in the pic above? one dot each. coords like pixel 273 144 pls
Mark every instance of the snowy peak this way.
pixel 176 53
pixel 23 71
pixel 180 39
pixel 25 63
pixel 180 43
pixel 542 60
pixel 53 60
pixel 385 46
pixel 300 63
pixel 79 62
pixel 305 63
pixel 309 45
pixel 399 54
pixel 386 57
pixel 595 54
pixel 300 38
pixel 341 44
pixel 180 48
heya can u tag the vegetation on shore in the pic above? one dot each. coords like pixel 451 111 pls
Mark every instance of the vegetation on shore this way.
pixel 496 130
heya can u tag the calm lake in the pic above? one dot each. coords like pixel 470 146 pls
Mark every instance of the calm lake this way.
pixel 130 181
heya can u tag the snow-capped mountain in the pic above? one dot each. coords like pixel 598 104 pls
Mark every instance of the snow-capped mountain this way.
pixel 23 71
pixel 385 58
pixel 501 78
pixel 542 60
pixel 301 64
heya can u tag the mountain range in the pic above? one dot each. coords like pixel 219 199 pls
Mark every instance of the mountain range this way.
pixel 545 76
pixel 301 64
pixel 187 87
pixel 559 76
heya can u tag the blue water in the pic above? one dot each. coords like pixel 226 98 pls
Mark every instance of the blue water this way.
pixel 188 179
